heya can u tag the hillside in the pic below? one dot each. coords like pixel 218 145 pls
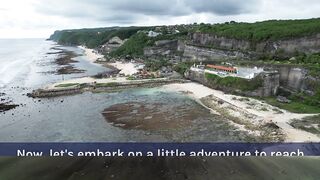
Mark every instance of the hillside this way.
pixel 266 30
pixel 255 32
pixel 92 38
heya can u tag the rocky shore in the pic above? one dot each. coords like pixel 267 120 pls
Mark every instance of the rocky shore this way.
pixel 65 60
pixel 6 107
pixel 5 104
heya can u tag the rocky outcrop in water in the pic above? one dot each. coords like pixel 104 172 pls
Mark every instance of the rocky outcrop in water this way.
pixel 5 103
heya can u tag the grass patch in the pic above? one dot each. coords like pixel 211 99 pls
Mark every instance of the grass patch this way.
pixel 234 82
pixel 294 106
pixel 111 84
pixel 310 124
pixel 67 85
pixel 181 68
pixel 131 78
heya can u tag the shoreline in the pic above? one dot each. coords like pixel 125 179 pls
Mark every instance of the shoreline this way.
pixel 246 113
pixel 91 54
pixel 125 68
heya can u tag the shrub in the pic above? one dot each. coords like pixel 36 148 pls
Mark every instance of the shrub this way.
pixel 235 82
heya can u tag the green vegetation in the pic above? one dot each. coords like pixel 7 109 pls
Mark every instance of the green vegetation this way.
pixel 131 78
pixel 92 38
pixel 181 68
pixel 294 106
pixel 234 82
pixel 134 46
pixel 262 31
pixel 155 65
pixel 306 99
pixel 110 84
pixel 136 43
pixel 67 85
pixel 311 62
pixel 310 124
pixel 300 102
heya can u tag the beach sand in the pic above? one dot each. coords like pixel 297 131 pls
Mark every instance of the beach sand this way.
pixel 126 68
pixel 91 54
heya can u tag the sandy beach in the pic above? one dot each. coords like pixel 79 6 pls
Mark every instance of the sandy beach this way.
pixel 255 111
pixel 91 54
pixel 126 68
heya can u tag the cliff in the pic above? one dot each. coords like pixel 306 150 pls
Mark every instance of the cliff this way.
pixel 162 48
pixel 208 46
pixel 286 47
pixel 296 79
pixel 197 53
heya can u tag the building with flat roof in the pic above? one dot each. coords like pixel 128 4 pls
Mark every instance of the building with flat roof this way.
pixel 223 71
pixel 222 68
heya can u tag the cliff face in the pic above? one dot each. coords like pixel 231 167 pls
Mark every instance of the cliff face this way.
pixel 214 41
pixel 195 53
pixel 310 44
pixel 163 48
pixel 204 46
pixel 292 78
pixel 297 79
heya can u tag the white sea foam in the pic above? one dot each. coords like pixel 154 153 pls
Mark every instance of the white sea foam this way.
pixel 16 57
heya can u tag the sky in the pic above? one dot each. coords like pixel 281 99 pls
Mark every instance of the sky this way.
pixel 40 18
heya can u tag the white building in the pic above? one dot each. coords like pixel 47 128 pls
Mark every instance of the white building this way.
pixel 153 34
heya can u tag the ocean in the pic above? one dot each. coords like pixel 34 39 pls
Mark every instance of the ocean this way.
pixel 142 115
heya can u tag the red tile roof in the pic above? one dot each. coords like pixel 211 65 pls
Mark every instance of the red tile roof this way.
pixel 221 68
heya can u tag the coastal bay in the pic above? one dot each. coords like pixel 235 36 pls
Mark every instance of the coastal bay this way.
pixel 80 117
pixel 255 117
pixel 173 111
